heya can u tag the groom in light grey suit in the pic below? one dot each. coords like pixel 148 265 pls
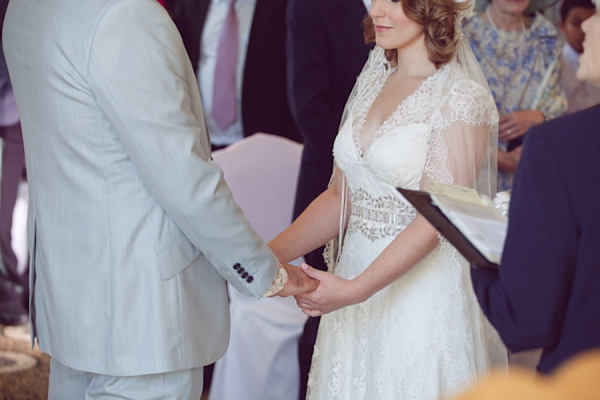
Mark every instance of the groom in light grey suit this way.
pixel 132 230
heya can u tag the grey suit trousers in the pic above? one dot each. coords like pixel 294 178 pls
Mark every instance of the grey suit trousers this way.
pixel 67 383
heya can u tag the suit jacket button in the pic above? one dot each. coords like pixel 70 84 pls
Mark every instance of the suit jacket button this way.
pixel 245 275
pixel 241 271
pixel 250 279
pixel 236 266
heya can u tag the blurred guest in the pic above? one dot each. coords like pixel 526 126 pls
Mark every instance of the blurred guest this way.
pixel 14 286
pixel 580 94
pixel 520 57
pixel 546 292
pixel 577 379
pixel 325 55
pixel 237 48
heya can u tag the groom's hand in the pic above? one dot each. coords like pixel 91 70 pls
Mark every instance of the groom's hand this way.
pixel 298 282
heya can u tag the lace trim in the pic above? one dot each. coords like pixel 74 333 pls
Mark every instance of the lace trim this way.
pixel 278 283
pixel 425 330
pixel 414 101
pixel 381 71
pixel 374 215
pixel 446 97
pixel 378 217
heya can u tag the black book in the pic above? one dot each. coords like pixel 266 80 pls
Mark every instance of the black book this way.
pixel 475 228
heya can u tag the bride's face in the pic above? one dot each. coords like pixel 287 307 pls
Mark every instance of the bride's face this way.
pixel 393 29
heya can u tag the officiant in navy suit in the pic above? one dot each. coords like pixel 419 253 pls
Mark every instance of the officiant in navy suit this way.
pixel 546 292
pixel 326 51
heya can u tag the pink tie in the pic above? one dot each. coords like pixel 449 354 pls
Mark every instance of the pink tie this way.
pixel 223 106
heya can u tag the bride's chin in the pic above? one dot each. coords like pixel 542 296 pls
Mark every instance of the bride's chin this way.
pixel 384 46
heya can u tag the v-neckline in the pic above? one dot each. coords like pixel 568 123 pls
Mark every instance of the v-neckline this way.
pixel 363 116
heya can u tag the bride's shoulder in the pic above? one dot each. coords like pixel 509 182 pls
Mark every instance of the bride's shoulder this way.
pixel 469 89
pixel 459 86
pixel 463 96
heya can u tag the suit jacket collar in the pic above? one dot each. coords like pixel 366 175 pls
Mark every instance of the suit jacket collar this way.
pixel 263 13
pixel 351 12
pixel 201 11
pixel 352 5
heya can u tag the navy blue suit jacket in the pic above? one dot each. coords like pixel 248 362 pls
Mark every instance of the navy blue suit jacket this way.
pixel 546 293
pixel 325 52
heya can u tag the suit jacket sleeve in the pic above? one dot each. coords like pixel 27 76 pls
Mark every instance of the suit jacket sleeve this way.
pixel 310 79
pixel 526 298
pixel 143 81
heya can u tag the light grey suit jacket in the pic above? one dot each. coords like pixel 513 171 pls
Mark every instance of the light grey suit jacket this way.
pixel 131 226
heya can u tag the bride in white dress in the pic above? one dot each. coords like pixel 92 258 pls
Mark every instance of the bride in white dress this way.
pixel 400 317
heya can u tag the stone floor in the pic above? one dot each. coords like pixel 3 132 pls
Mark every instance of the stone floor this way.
pixel 23 371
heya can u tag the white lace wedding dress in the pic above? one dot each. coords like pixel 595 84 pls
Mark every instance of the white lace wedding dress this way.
pixel 422 336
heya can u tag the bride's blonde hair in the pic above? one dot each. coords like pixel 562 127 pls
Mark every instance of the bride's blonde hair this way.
pixel 439 21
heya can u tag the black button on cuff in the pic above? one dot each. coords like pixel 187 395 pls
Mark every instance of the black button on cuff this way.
pixel 241 271
pixel 236 266
pixel 250 279
pixel 245 275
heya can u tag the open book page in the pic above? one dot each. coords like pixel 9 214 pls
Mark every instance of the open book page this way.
pixel 474 216
pixel 460 193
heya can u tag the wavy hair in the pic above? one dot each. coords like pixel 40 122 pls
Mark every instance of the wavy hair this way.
pixel 439 19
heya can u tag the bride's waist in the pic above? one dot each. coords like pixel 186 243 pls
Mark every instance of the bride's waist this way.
pixel 378 215
pixel 389 216
pixel 377 223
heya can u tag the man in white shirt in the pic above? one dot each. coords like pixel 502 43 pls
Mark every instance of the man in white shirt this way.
pixel 260 91
pixel 260 103
pixel 580 95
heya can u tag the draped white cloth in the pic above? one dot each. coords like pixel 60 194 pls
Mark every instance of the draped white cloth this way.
pixel 261 362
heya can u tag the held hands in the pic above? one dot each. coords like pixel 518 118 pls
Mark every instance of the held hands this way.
pixel 332 294
pixel 515 124
pixel 298 282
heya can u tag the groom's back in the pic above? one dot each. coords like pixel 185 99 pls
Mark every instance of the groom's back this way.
pixel 47 46
pixel 108 261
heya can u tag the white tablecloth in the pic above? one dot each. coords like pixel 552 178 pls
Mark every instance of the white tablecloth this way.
pixel 261 362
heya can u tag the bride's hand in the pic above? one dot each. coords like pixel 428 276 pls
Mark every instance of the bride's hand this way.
pixel 332 294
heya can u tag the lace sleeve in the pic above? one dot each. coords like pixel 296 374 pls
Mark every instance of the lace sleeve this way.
pixel 463 146
pixel 376 65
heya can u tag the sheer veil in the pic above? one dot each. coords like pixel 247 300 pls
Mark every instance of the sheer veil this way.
pixel 486 180
pixel 376 67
